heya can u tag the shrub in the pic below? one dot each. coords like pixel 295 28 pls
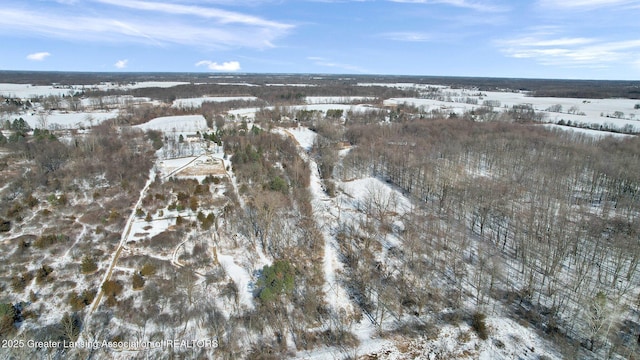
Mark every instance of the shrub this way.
pixel 79 301
pixel 42 275
pixel 156 138
pixel 113 216
pixel 15 210
pixel 201 190
pixel 479 325
pixel 112 288
pixel 8 315
pixel 193 203
pixel 138 281
pixel 206 221
pixel 19 282
pixel 183 197
pixel 5 225
pixel 88 265
pixel 31 201
pixel 70 326
pixel 62 200
pixel 7 310
pixel 330 188
pixel 464 337
pixel 148 269
pixel 278 184
pixel 45 241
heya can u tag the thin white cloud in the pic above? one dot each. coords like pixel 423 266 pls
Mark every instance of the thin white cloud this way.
pixel 228 66
pixel 320 61
pixel 148 30
pixel 408 36
pixel 224 17
pixel 39 56
pixel 549 49
pixel 121 64
pixel 339 1
pixel 482 6
pixel 586 4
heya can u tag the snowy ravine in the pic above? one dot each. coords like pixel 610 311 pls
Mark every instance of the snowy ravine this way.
pixel 335 294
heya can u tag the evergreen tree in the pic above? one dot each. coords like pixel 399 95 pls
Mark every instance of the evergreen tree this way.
pixel 276 280
pixel 88 265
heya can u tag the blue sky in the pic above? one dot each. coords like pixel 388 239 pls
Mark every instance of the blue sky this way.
pixel 573 39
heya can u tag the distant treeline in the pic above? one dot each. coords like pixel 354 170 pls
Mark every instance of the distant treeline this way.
pixel 289 94
pixel 593 89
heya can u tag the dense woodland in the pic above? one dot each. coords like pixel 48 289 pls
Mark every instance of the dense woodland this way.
pixel 547 221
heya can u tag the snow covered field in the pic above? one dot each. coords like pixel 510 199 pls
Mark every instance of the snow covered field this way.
pixel 180 124
pixel 245 113
pixel 613 113
pixel 111 101
pixel 139 85
pixel 594 133
pixel 337 99
pixel 197 102
pixel 71 120
pixel 26 91
pixel 325 107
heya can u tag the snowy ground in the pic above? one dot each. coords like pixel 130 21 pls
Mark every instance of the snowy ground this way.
pixel 594 133
pixel 197 102
pixel 616 113
pixel 71 120
pixel 114 101
pixel 180 124
pixel 241 277
pixel 325 107
pixel 250 113
pixel 373 188
pixel 26 91
pixel 507 340
pixel 303 136
pixel 139 85
pixel 245 113
pixel 404 85
pixel 296 85
pixel 238 83
pixel 337 99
